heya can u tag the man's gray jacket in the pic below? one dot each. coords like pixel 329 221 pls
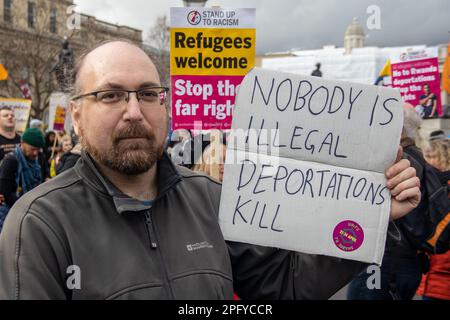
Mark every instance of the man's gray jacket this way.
pixel 78 237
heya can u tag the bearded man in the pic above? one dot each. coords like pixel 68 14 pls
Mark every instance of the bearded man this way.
pixel 126 223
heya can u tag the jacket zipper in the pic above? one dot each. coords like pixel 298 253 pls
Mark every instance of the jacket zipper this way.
pixel 151 234
pixel 154 246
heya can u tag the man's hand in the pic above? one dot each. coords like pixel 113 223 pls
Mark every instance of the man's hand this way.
pixel 404 186
pixel 2 199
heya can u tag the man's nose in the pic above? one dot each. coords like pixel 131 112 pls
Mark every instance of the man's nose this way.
pixel 133 111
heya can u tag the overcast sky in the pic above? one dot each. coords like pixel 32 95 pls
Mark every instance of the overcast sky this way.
pixel 306 24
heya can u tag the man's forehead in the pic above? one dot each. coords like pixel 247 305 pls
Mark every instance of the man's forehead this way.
pixel 117 62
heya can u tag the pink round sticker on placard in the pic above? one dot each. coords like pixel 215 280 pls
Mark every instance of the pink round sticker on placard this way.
pixel 348 236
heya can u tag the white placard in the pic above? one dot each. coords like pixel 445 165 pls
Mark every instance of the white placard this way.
pixel 305 165
pixel 58 109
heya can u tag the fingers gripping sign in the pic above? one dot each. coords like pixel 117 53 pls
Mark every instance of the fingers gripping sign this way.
pixel 404 186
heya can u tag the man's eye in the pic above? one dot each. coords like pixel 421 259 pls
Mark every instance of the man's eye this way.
pixel 112 96
pixel 148 94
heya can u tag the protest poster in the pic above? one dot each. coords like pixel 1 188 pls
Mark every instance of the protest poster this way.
pixel 305 165
pixel 416 73
pixel 22 108
pixel 58 106
pixel 211 50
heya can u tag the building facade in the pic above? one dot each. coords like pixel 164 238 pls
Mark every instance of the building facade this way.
pixel 31 37
pixel 354 62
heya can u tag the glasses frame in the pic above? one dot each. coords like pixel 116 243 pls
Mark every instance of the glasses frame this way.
pixel 96 93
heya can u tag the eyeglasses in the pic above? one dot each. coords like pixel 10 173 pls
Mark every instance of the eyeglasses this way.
pixel 118 97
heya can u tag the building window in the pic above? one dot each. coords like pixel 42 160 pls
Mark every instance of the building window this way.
pixel 31 14
pixel 7 11
pixel 53 14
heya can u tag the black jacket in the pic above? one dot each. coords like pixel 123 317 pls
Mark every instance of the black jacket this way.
pixel 125 249
pixel 401 244
pixel 67 161
pixel 8 175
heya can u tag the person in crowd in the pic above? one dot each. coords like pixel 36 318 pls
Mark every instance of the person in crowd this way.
pixel 138 227
pixel 212 161
pixel 187 151
pixel 36 123
pixel 437 153
pixel 64 147
pixel 50 145
pixel 402 266
pixel 69 159
pixel 9 138
pixel 20 170
pixel 176 140
pixel 435 283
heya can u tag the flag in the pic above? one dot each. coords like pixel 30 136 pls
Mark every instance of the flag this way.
pixel 446 72
pixel 3 73
pixel 385 72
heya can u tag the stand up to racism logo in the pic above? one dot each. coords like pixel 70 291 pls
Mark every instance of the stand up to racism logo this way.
pixel 194 17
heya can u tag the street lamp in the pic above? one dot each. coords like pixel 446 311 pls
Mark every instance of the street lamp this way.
pixel 194 3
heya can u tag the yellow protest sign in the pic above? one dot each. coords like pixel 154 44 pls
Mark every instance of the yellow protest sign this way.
pixel 211 50
pixel 207 51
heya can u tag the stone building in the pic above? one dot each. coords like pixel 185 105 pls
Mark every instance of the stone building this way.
pixel 354 62
pixel 31 37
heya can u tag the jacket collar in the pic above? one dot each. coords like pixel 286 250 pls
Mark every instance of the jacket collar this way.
pixel 167 178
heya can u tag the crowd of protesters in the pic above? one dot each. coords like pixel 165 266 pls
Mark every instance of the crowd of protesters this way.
pixel 435 284
pixel 31 158
pixel 28 159
pixel 92 211
pixel 36 155
pixel 404 267
pixel 404 264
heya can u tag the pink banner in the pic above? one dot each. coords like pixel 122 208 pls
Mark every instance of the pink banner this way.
pixel 412 77
pixel 203 102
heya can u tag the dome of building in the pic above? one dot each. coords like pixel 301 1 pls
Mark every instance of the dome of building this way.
pixel 355 29
pixel 354 36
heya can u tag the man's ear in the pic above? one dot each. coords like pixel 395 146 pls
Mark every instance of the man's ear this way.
pixel 75 111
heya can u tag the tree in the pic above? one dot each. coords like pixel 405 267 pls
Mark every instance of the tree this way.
pixel 29 55
pixel 158 44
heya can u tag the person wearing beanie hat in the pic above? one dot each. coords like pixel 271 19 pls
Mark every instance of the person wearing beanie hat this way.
pixel 24 169
pixel 34 137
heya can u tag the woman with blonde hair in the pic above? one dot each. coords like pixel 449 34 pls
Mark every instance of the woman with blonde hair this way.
pixel 438 154
pixel 212 161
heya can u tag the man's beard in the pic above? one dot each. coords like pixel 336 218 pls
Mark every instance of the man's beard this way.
pixel 129 157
